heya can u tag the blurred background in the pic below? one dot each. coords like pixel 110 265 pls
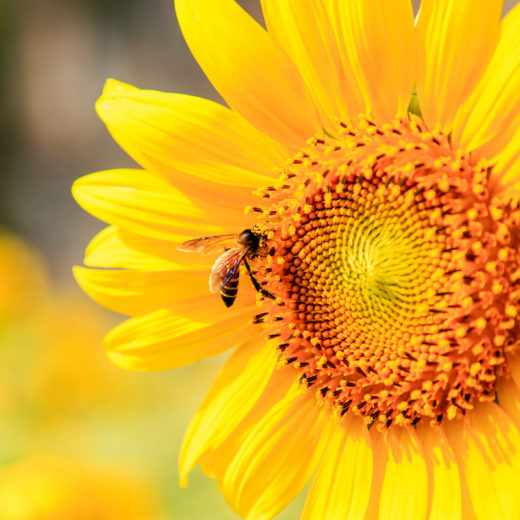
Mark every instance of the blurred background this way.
pixel 81 438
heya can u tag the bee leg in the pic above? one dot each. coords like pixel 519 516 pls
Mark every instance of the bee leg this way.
pixel 255 283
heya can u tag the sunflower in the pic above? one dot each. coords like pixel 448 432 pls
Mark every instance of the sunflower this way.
pixel 364 183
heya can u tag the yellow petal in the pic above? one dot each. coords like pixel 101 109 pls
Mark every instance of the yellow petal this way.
pixel 248 68
pixel 404 493
pixel 143 203
pixel 509 399
pixel 491 115
pixel 171 132
pixel 277 457
pixel 504 152
pixel 116 248
pixel 235 391
pixel 183 290
pixel 380 47
pixel 341 488
pixel 489 456
pixel 304 29
pixel 380 461
pixel 216 462
pixel 210 307
pixel 468 511
pixel 513 362
pixel 443 474
pixel 454 432
pixel 163 340
pixel 139 292
pixel 456 40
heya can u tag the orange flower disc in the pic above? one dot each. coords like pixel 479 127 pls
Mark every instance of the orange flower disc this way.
pixel 396 271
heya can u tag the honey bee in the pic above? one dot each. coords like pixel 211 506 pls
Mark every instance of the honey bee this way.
pixel 225 272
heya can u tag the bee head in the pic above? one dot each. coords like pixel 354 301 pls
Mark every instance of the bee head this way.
pixel 249 238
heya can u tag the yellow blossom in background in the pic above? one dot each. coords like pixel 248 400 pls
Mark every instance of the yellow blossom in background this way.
pixel 48 361
pixel 66 374
pixel 22 277
pixel 358 209
pixel 46 487
pixel 69 418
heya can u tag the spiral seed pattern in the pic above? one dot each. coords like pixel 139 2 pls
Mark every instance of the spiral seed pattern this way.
pixel 397 273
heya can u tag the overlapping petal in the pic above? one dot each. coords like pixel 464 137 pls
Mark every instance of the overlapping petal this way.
pixel 444 495
pixel 514 367
pixel 305 31
pixel 163 339
pixel 489 457
pixel 379 462
pixel 456 40
pixel 509 399
pixel 216 462
pixel 117 248
pixel 379 47
pixel 267 471
pixel 490 119
pixel 341 487
pixel 506 161
pixel 134 292
pixel 172 133
pixel 139 201
pixel 249 69
pixel 404 493
pixel 493 106
pixel 235 391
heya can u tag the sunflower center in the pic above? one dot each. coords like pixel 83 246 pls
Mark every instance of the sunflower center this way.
pixel 396 271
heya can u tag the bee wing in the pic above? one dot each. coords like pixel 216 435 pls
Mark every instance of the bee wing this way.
pixel 225 267
pixel 205 245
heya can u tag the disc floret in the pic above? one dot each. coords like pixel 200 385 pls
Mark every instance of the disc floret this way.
pixel 397 273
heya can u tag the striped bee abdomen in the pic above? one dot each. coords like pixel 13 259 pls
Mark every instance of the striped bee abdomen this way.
pixel 229 291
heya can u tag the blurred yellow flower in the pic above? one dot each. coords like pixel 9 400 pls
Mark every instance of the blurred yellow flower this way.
pixel 377 320
pixel 47 487
pixel 50 366
pixel 52 376
pixel 65 344
pixel 22 277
